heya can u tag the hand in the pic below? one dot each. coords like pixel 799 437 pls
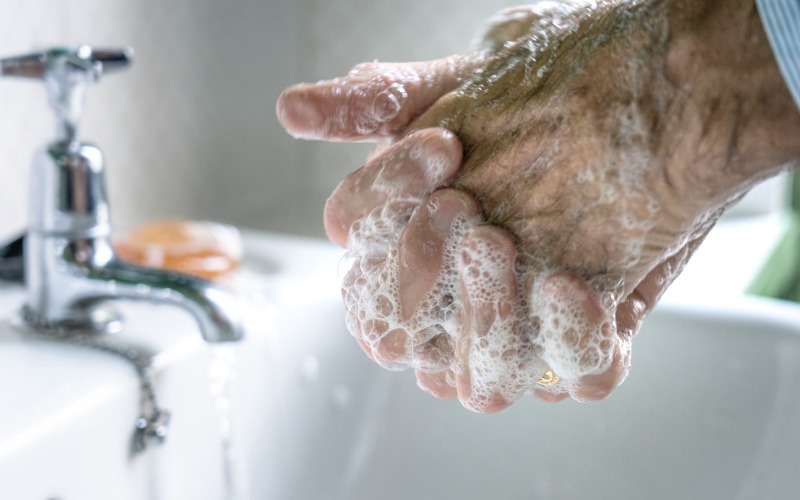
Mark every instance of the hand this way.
pixel 375 100
pixel 412 299
pixel 608 264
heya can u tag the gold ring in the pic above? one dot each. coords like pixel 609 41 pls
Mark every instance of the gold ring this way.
pixel 549 378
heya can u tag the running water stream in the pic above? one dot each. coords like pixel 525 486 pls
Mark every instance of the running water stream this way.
pixel 222 375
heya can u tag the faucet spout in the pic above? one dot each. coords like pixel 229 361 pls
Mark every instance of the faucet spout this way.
pixel 216 311
pixel 93 275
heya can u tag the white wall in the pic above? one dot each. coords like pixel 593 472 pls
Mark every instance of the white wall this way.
pixel 190 129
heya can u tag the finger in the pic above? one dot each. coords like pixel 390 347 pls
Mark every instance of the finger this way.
pixel 352 286
pixel 599 386
pixel 370 316
pixel 423 251
pixel 490 350
pixel 436 384
pixel 434 355
pixel 374 100
pixel 629 317
pixel 393 183
pixel 576 335
pixel 550 397
pixel 392 349
pixel 638 304
pixel 422 277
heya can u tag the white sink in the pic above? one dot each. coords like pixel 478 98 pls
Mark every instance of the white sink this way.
pixel 711 408
pixel 66 429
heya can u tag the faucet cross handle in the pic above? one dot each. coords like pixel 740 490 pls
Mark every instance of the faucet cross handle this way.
pixel 92 61
pixel 66 72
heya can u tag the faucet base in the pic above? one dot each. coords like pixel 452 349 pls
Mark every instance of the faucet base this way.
pixel 97 319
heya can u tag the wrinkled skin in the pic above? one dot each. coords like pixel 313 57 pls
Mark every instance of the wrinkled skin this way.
pixel 595 149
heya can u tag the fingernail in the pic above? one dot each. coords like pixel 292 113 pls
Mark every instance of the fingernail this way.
pixel 439 157
pixel 300 115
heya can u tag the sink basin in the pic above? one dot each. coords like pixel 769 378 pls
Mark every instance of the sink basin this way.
pixel 710 411
pixel 296 411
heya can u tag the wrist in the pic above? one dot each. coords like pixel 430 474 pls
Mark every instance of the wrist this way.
pixel 740 124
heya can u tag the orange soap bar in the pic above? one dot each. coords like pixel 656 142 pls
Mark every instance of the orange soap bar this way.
pixel 205 249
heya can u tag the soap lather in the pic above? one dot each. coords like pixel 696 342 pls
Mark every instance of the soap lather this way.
pixel 71 268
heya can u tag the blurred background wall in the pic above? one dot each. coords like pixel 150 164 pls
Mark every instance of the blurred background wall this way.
pixel 190 129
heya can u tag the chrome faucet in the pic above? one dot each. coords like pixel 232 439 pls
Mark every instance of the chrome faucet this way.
pixel 71 269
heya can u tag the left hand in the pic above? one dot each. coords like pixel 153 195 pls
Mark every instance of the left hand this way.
pixel 552 222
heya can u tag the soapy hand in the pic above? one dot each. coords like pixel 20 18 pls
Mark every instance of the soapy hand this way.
pixel 598 171
pixel 378 100
pixel 432 286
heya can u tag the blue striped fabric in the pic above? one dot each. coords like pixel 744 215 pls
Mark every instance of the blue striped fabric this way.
pixel 781 20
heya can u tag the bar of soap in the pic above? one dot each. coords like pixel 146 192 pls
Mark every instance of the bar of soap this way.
pixel 206 249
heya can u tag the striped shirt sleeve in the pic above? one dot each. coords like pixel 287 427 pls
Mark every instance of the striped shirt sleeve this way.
pixel 781 20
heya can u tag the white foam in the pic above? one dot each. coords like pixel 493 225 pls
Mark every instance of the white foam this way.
pixel 572 344
pixel 501 359
pixel 522 341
